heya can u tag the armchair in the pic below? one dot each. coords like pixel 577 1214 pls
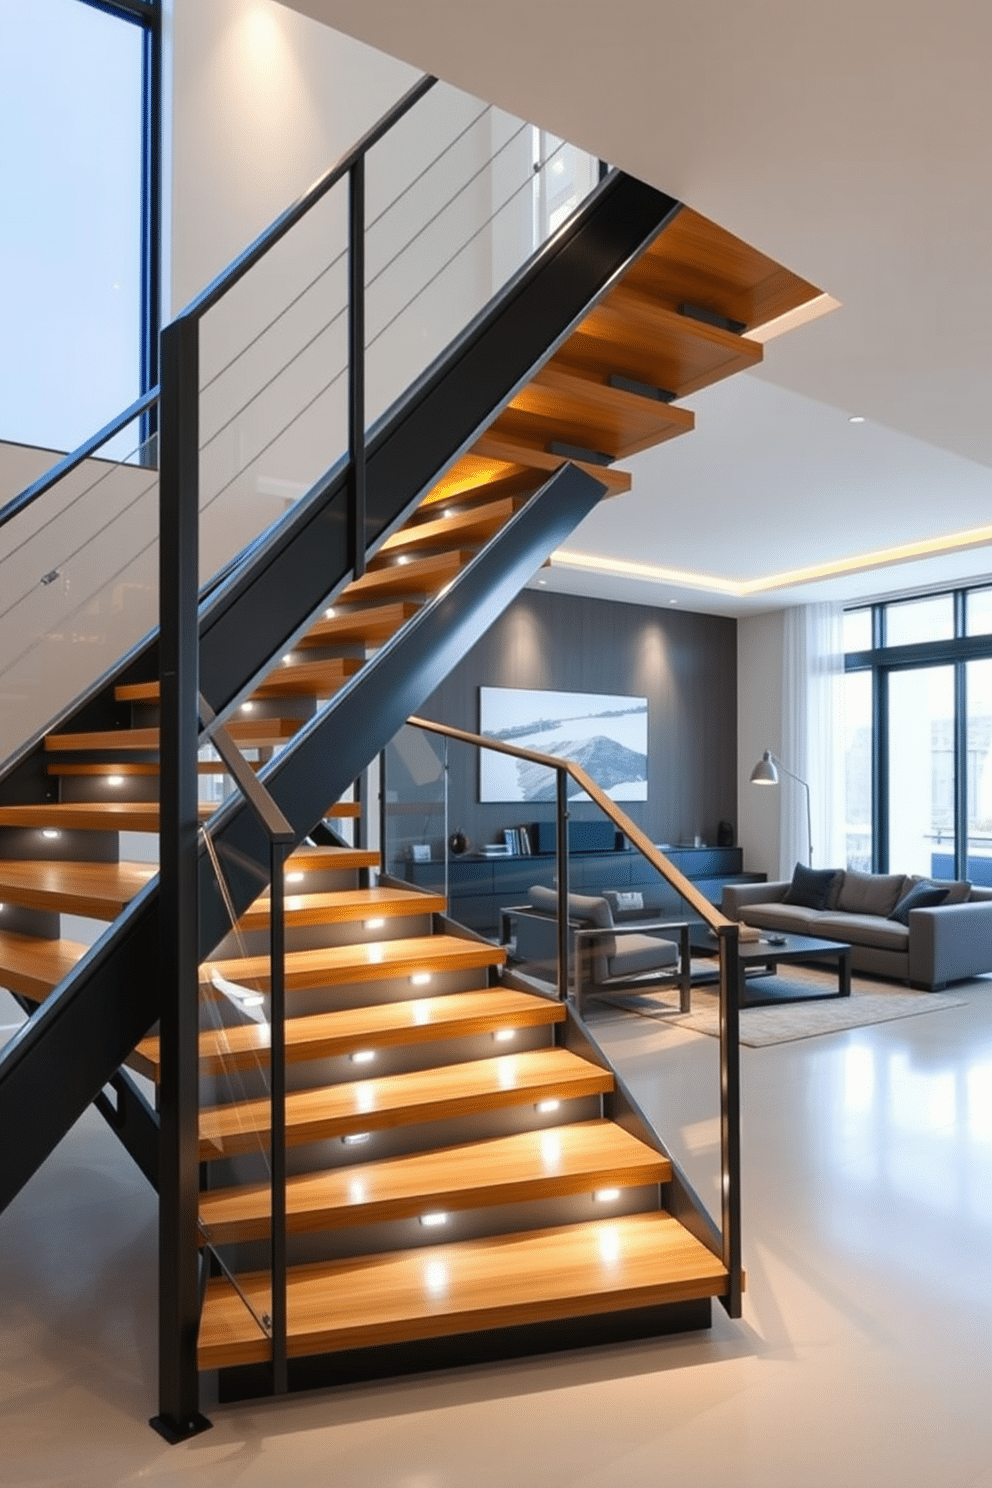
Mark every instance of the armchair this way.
pixel 608 957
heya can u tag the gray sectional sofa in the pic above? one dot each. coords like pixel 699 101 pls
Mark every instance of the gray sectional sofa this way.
pixel 917 939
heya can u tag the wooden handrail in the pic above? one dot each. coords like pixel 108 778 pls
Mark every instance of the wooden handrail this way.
pixel 635 835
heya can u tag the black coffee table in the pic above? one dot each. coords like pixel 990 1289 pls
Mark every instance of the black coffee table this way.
pixel 761 958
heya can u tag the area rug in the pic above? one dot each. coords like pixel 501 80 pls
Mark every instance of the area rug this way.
pixel 870 1002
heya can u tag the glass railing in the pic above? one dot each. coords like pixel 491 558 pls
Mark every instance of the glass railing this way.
pixel 457 197
pixel 589 911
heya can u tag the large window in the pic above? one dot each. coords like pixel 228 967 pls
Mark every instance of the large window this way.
pixel 918 719
pixel 78 268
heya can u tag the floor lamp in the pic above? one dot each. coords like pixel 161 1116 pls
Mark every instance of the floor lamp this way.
pixel 766 771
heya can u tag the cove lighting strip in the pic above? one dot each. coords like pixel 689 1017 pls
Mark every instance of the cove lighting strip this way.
pixel 970 537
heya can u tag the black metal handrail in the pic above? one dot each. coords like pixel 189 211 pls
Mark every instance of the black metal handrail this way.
pixel 76 457
pixel 728 937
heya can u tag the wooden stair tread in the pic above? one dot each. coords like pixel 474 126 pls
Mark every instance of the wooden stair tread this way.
pixel 558 406
pixel 384 1025
pixel 415 577
pixel 97 890
pixel 247 731
pixel 696 262
pixel 371 626
pixel 513 1169
pixel 635 337
pixel 317 856
pixel 33 966
pixel 330 966
pixel 471 526
pixel 473 480
pixel 343 906
pixel 498 444
pixel 92 816
pixel 403 1100
pixel 308 678
pixel 633 1261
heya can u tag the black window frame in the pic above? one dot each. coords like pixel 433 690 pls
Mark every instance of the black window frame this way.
pixel 882 660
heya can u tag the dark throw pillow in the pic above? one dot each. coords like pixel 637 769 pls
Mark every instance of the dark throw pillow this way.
pixel 922 895
pixel 811 887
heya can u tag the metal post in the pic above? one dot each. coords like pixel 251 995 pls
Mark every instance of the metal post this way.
pixel 356 360
pixel 730 1115
pixel 179 1416
pixel 561 849
pixel 277 1046
pixel 382 812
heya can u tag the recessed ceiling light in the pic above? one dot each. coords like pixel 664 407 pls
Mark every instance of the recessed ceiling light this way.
pixel 329 614
pixel 856 418
pixel 50 833
pixel 115 779
pixel 247 707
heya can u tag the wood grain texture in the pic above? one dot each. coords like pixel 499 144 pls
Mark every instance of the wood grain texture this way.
pixel 247 731
pixel 579 1270
pixel 404 1100
pixel 91 816
pixel 331 966
pixel 318 679
pixel 32 966
pixel 474 526
pixel 420 576
pixel 505 1170
pixel 696 261
pixel 497 444
pixel 635 337
pixel 384 1025
pixel 559 406
pixel 371 626
pixel 97 890
pixel 342 906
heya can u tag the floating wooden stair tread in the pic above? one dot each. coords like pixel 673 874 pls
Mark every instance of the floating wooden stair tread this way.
pixel 696 262
pixel 639 1260
pixel 473 481
pixel 257 732
pixel 472 526
pixel 92 816
pixel 515 1169
pixel 408 1099
pixel 499 445
pixel 98 891
pixel 637 338
pixel 559 406
pixel 342 906
pixel 385 1025
pixel 332 966
pixel 319 857
pixel 308 678
pixel 369 627
pixel 32 966
pixel 416 577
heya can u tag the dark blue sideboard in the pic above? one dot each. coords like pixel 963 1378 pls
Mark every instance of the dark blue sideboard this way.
pixel 478 887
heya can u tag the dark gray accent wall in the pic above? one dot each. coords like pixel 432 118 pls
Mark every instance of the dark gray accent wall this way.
pixel 684 664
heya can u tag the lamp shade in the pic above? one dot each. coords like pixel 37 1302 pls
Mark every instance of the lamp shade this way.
pixel 765 772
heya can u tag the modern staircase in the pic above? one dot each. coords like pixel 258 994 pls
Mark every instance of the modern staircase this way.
pixel 482 1112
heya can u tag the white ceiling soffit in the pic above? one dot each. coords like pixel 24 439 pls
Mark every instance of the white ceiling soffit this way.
pixel 849 141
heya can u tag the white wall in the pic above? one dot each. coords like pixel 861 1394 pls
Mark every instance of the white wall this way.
pixel 759 713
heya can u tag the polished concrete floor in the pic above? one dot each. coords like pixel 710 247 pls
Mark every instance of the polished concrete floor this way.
pixel 861 1360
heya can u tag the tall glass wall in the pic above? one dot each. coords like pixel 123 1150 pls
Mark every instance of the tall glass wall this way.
pixel 918 722
pixel 71 129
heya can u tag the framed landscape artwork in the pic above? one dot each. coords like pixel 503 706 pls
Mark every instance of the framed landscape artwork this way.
pixel 606 735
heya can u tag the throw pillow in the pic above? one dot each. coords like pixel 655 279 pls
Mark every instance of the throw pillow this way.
pixel 870 893
pixel 811 887
pixel 923 895
pixel 628 901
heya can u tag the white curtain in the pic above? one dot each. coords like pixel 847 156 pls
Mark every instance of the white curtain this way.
pixel 812 737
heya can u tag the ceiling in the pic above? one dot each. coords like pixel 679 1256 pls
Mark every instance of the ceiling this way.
pixel 850 142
